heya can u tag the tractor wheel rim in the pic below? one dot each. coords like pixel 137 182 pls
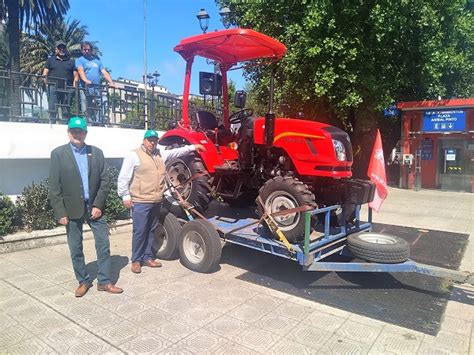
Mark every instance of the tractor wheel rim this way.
pixel 376 238
pixel 161 237
pixel 280 201
pixel 194 247
pixel 178 173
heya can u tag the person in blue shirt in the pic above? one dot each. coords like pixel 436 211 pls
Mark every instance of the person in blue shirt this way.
pixel 90 70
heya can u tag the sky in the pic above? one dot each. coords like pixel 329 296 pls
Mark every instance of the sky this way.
pixel 118 27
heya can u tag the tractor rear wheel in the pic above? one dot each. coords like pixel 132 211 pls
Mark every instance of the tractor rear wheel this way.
pixel 197 191
pixel 283 193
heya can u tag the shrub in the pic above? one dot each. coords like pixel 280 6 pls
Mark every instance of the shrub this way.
pixel 7 215
pixel 34 209
pixel 114 209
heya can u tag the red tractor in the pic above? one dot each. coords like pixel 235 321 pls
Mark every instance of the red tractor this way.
pixel 289 162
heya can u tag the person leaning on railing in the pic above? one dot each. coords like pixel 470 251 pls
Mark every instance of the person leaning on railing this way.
pixel 60 76
pixel 90 70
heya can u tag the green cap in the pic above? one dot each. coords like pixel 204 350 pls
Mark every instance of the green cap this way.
pixel 151 133
pixel 77 122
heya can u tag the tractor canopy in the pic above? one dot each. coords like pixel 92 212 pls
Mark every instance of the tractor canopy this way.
pixel 231 46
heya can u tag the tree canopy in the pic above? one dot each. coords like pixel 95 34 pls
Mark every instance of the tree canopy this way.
pixel 347 60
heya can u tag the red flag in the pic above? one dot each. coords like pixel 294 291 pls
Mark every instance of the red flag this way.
pixel 376 173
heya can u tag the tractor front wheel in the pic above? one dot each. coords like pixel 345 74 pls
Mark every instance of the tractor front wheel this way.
pixel 284 193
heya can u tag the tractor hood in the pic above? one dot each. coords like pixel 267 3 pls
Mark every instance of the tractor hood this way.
pixel 231 46
pixel 310 145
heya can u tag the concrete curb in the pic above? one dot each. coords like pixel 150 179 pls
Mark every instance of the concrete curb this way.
pixel 37 239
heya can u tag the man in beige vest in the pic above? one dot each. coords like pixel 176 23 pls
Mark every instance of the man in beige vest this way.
pixel 141 185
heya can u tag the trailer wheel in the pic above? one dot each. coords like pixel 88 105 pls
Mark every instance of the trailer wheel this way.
pixel 167 233
pixel 283 193
pixel 196 191
pixel 199 246
pixel 378 248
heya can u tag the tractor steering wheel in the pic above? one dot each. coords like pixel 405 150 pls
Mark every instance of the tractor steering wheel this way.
pixel 240 116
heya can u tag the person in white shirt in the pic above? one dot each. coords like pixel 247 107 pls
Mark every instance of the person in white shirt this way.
pixel 141 185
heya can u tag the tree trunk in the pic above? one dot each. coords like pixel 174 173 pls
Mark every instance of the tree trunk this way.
pixel 363 138
pixel 13 27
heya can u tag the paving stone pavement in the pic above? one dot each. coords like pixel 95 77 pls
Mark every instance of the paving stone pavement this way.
pixel 172 310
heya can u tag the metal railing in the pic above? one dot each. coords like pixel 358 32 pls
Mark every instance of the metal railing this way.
pixel 55 101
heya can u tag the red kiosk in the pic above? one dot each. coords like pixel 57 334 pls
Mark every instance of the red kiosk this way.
pixel 437 144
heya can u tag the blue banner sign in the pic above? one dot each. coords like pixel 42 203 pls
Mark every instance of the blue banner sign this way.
pixel 444 121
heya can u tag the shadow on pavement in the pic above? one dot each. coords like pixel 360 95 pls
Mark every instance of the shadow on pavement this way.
pixel 409 300
pixel 118 263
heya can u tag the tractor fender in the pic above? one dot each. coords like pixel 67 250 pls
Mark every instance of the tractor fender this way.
pixel 211 157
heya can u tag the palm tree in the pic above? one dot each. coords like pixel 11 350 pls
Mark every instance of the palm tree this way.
pixel 4 52
pixel 37 46
pixel 18 13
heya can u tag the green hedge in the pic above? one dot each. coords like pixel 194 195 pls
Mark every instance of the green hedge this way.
pixel 33 211
pixel 8 215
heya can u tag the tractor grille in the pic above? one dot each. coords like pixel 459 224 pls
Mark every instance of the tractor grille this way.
pixel 333 168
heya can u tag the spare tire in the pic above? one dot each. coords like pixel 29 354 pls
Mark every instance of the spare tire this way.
pixel 378 247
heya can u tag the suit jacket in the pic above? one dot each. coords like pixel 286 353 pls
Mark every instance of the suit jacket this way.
pixel 66 192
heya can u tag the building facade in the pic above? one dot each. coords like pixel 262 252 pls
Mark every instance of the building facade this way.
pixel 437 144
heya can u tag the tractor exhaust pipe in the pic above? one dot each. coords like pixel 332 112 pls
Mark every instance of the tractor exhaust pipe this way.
pixel 270 116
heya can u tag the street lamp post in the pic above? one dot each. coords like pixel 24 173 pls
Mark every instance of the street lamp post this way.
pixel 203 18
pixel 225 16
pixel 152 82
pixel 145 68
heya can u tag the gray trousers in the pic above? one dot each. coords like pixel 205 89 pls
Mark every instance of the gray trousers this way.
pixel 102 247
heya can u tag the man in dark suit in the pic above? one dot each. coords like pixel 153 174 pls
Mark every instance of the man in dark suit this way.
pixel 78 187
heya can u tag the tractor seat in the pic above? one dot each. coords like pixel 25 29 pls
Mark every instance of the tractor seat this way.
pixel 208 123
pixel 207 120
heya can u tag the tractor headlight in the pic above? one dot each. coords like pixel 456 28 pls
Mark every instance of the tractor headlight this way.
pixel 339 149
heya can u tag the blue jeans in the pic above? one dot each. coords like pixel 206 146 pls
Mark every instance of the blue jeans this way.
pixel 146 217
pixel 102 246
pixel 91 103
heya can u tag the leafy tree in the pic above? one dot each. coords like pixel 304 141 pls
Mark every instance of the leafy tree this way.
pixel 347 60
pixel 18 13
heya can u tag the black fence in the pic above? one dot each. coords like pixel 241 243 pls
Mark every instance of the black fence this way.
pixel 31 98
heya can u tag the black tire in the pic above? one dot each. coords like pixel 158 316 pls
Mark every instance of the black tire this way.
pixel 165 245
pixel 199 246
pixel 197 192
pixel 378 247
pixel 285 192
